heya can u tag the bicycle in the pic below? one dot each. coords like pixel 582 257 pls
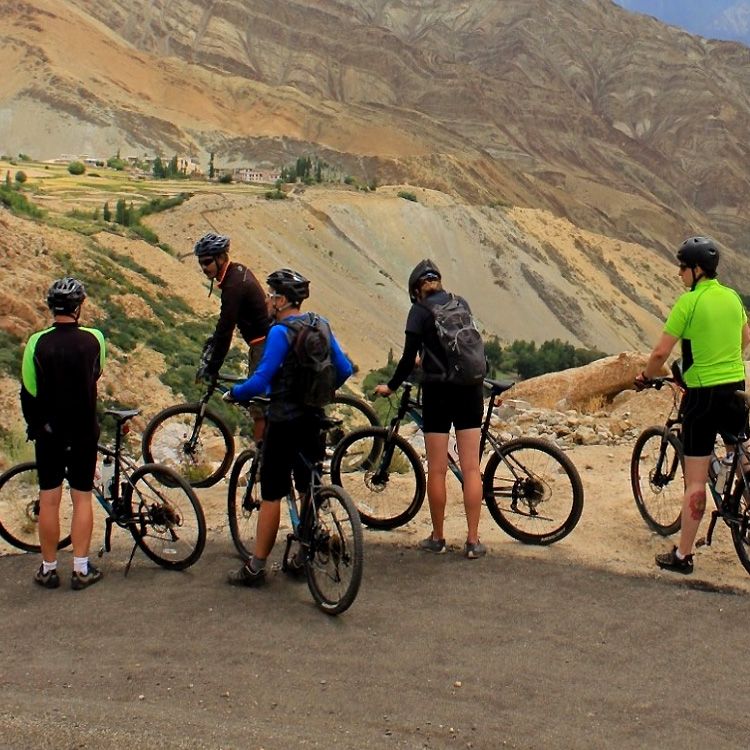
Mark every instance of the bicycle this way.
pixel 324 522
pixel 531 488
pixel 660 449
pixel 157 506
pixel 196 442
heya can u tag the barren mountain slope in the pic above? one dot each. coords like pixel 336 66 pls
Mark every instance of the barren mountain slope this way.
pixel 527 274
pixel 622 124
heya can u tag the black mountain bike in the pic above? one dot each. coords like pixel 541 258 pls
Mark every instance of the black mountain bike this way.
pixel 325 526
pixel 531 488
pixel 153 503
pixel 195 441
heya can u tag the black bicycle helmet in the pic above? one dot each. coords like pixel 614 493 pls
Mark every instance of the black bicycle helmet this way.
pixel 291 284
pixel 211 245
pixel 65 295
pixel 699 251
pixel 423 270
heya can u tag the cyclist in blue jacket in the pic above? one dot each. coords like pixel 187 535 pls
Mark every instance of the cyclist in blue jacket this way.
pixel 292 428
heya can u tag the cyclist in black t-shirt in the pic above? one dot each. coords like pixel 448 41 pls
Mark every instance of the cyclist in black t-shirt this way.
pixel 243 306
pixel 443 404
pixel 61 366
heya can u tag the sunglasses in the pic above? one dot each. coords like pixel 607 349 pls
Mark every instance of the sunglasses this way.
pixel 205 262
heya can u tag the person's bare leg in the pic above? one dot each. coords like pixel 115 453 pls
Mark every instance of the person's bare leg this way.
pixel 49 522
pixel 269 516
pixel 693 502
pixel 82 524
pixel 467 442
pixel 436 447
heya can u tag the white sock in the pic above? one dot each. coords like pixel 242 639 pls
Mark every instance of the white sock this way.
pixel 81 565
pixel 679 555
pixel 47 566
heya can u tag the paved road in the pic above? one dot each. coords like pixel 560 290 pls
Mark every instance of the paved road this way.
pixel 437 652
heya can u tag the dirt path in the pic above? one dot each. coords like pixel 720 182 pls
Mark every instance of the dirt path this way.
pixel 572 646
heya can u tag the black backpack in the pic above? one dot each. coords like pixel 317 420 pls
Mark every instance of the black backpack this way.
pixel 461 341
pixel 314 378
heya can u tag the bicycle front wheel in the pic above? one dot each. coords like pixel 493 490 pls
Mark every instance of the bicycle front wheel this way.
pixel 19 509
pixel 243 502
pixel 334 557
pixel 167 520
pixel 533 491
pixel 354 414
pixel 200 449
pixel 740 525
pixel 656 477
pixel 383 475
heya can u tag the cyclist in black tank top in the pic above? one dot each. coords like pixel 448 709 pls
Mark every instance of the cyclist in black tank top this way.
pixel 444 404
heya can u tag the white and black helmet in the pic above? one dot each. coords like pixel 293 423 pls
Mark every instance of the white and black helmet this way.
pixel 294 286
pixel 65 295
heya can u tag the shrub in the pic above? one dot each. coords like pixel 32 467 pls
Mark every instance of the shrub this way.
pixel 225 179
pixel 406 195
pixel 275 195
pixel 115 162
pixel 76 167
pixel 18 203
pixel 21 177
pixel 24 157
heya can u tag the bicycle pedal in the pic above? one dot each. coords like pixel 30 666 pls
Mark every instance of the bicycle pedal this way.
pixel 700 542
pixel 100 553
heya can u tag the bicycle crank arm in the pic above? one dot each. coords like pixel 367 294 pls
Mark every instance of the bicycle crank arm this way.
pixel 715 515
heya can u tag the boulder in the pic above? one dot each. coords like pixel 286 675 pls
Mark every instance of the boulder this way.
pixel 585 388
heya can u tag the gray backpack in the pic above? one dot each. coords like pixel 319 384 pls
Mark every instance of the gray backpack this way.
pixel 461 341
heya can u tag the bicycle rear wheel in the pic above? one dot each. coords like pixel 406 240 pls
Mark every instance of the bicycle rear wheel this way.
pixel 167 519
pixel 533 491
pixel 334 550
pixel 199 451
pixel 19 508
pixel 243 502
pixel 383 476
pixel 354 414
pixel 740 526
pixel 656 477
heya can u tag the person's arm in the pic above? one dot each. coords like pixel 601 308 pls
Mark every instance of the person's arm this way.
pixel 745 336
pixel 658 358
pixel 222 336
pixel 412 345
pixel 344 369
pixel 276 349
pixel 29 402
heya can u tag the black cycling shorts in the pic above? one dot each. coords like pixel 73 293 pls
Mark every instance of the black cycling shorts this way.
pixel 58 458
pixel 282 445
pixel 446 404
pixel 707 412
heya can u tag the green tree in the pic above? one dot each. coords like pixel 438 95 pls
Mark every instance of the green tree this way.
pixel 120 212
pixel 172 170
pixel 226 178
pixel 76 167
pixel 211 169
pixel 106 213
pixel 7 179
pixel 21 177
pixel 115 162
pixel 158 169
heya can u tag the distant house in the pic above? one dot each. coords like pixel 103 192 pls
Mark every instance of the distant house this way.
pixel 252 174
pixel 189 165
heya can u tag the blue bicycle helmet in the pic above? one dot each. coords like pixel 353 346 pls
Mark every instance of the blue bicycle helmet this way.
pixel 211 245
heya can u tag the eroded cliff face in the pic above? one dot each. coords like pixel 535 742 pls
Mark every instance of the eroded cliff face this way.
pixel 621 124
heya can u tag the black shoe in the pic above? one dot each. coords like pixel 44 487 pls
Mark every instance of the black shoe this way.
pixel 246 577
pixel 670 561
pixel 295 568
pixel 79 581
pixel 49 580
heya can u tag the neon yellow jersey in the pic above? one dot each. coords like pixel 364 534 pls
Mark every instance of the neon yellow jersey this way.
pixel 709 320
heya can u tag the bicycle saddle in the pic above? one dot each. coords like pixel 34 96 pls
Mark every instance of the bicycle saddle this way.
pixel 121 415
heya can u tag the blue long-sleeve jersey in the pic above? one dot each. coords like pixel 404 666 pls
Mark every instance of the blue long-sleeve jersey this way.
pixel 278 344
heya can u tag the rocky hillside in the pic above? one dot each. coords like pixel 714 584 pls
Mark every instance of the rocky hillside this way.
pixel 621 124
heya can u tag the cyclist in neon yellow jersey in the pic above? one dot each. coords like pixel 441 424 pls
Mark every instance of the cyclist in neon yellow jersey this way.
pixel 710 322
